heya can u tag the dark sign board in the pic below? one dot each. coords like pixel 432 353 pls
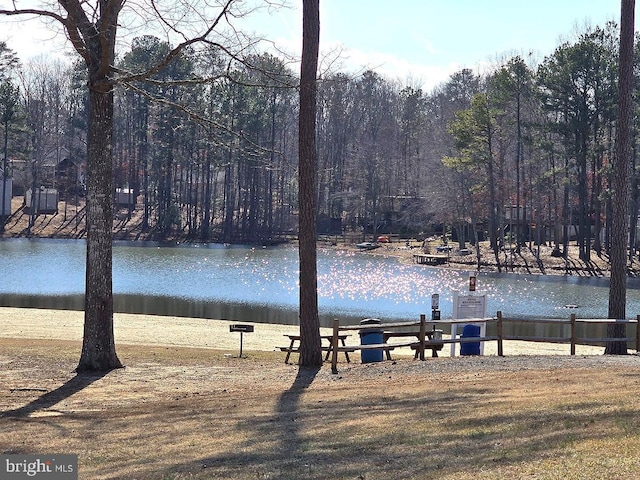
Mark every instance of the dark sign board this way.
pixel 239 327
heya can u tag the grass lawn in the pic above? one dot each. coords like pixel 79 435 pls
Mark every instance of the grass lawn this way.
pixel 187 413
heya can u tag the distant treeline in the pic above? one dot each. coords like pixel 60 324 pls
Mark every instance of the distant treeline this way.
pixel 217 160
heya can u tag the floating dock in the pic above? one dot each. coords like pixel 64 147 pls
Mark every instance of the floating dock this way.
pixel 430 259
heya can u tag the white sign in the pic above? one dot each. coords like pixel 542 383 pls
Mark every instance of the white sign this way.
pixel 469 306
pixel 435 301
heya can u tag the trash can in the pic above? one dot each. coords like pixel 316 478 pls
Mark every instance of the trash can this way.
pixel 470 348
pixel 371 336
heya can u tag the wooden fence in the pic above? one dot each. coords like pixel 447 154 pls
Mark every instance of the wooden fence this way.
pixel 426 340
pixel 572 339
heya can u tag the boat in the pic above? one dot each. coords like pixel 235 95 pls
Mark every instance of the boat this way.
pixel 367 245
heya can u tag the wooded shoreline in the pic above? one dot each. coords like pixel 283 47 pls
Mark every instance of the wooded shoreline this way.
pixel 534 259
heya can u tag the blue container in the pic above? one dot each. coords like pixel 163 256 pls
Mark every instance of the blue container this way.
pixel 371 336
pixel 470 348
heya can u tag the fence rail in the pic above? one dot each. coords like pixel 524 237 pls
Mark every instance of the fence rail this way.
pixel 424 342
pixel 572 339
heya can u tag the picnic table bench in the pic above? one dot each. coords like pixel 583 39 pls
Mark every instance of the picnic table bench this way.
pixel 294 346
pixel 435 345
pixel 425 339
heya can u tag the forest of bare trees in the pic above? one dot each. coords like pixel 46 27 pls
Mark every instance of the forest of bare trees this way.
pixel 520 154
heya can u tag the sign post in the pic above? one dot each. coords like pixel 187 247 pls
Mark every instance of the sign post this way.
pixel 242 328
pixel 435 304
pixel 472 281
pixel 469 306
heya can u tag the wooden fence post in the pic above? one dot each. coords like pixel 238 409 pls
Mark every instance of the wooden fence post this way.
pixel 638 334
pixel 573 333
pixel 500 351
pixel 423 334
pixel 334 346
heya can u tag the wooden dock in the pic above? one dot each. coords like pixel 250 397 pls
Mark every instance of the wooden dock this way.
pixel 430 259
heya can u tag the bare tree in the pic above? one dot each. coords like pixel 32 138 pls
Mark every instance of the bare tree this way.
pixel 620 200
pixel 8 103
pixel 91 27
pixel 310 347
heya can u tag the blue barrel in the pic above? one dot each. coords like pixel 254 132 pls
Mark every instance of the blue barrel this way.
pixel 371 336
pixel 470 348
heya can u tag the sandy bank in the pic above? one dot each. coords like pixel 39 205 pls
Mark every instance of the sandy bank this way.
pixel 135 329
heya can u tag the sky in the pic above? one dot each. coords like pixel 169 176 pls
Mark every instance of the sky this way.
pixel 417 42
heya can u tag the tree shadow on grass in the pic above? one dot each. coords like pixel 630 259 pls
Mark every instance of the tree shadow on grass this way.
pixel 282 445
pixel 49 399
pixel 287 409
pixel 320 427
pixel 277 447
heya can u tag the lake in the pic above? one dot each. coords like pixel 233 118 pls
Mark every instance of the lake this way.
pixel 261 284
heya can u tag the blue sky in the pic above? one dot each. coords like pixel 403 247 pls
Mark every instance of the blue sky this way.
pixel 421 42
pixel 425 41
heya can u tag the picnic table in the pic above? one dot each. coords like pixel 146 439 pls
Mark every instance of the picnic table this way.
pixel 433 343
pixel 294 346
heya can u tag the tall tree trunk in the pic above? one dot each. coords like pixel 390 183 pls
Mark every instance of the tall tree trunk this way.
pixel 310 346
pixel 519 232
pixel 620 199
pixel 567 216
pixel 9 99
pixel 5 174
pixel 205 230
pixel 98 50
pixel 98 346
pixel 633 214
pixel 633 205
pixel 493 207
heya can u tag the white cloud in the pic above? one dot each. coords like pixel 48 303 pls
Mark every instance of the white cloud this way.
pixel 424 43
pixel 395 68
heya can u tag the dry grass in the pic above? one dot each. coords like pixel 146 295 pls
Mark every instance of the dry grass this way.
pixel 186 413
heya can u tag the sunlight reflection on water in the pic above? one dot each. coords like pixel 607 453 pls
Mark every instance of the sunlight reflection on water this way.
pixel 386 286
pixel 353 284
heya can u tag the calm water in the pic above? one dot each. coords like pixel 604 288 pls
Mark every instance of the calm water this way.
pixel 255 284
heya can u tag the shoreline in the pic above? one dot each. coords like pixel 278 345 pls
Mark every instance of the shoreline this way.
pixel 182 332
pixel 529 259
pixel 525 263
